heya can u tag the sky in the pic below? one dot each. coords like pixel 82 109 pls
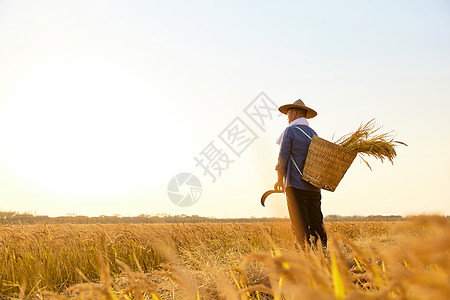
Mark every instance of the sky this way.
pixel 106 107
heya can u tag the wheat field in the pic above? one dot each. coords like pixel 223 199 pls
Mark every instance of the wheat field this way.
pixel 364 260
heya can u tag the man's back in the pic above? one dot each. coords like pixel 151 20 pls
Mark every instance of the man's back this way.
pixel 295 143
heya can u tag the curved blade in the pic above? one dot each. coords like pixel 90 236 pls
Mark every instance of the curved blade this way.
pixel 266 194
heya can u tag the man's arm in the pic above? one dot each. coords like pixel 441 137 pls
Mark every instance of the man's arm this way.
pixel 285 152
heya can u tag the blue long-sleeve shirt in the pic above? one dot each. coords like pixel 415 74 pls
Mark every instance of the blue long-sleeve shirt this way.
pixel 295 143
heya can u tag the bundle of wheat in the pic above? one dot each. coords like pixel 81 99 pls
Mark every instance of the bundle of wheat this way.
pixel 367 141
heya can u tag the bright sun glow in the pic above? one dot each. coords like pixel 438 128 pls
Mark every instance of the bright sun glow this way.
pixel 84 130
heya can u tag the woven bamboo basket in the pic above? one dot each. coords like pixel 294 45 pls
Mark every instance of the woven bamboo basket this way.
pixel 326 163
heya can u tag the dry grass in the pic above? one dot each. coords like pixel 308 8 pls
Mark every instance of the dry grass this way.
pixel 365 260
pixel 367 141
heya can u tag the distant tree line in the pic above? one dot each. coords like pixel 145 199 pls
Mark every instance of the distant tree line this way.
pixel 337 218
pixel 15 218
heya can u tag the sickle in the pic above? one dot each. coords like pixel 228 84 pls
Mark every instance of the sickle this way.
pixel 266 194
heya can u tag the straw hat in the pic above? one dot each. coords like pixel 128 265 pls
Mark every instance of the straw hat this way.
pixel 310 113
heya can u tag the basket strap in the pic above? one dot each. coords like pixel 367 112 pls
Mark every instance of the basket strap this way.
pixel 293 161
pixel 303 132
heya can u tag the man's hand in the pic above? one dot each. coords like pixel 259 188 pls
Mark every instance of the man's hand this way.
pixel 278 186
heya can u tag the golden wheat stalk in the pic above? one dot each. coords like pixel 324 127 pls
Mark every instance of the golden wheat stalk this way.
pixel 367 141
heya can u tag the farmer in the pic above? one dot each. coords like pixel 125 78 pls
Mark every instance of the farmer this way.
pixel 303 199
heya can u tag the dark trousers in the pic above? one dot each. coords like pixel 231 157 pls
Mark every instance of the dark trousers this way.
pixel 306 215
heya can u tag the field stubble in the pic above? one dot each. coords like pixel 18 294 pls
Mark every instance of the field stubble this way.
pixel 376 260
